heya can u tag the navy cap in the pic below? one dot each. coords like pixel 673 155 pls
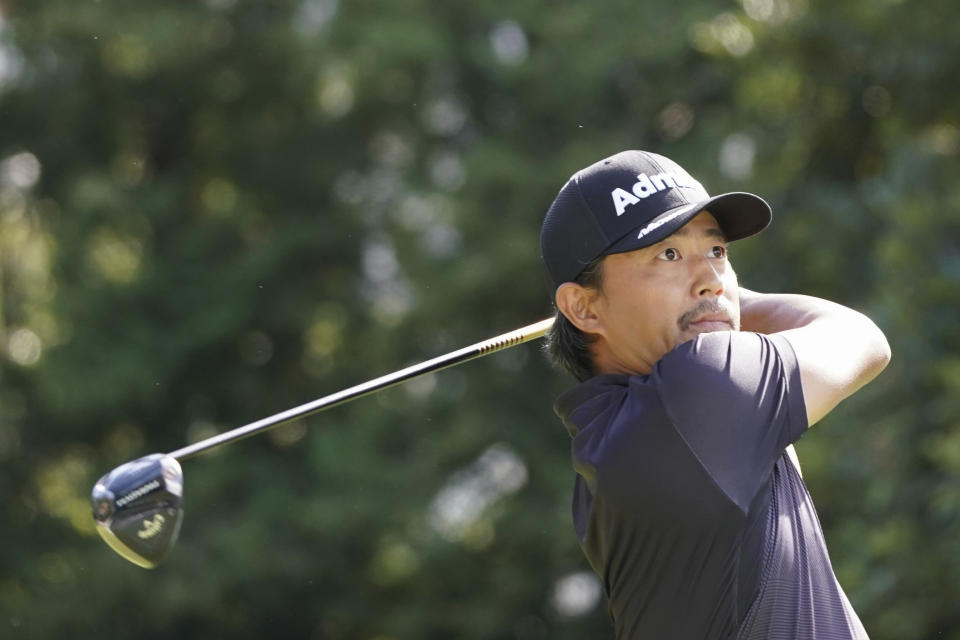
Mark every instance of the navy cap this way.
pixel 632 200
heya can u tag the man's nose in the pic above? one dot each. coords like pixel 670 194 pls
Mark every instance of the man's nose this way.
pixel 707 278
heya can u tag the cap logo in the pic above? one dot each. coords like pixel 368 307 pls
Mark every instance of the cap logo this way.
pixel 656 224
pixel 645 186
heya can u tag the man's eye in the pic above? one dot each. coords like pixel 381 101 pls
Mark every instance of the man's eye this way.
pixel 670 255
pixel 718 251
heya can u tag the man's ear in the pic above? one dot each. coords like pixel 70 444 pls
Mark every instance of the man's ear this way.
pixel 577 303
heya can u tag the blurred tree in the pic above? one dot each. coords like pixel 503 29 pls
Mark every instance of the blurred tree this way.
pixel 213 211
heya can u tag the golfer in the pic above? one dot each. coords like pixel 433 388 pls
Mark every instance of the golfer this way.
pixel 688 499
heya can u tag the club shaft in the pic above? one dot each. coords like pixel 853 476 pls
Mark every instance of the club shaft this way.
pixel 513 338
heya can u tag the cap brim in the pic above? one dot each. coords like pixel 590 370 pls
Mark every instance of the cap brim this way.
pixel 739 215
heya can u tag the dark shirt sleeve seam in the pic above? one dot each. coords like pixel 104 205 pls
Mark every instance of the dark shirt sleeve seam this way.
pixel 796 407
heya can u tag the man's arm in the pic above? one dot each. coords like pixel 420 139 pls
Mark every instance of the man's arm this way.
pixel 838 349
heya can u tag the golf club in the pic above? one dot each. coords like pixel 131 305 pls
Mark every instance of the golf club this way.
pixel 137 507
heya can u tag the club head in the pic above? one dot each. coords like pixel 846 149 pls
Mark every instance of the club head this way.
pixel 137 508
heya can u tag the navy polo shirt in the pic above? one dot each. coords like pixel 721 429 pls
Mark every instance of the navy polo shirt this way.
pixel 687 506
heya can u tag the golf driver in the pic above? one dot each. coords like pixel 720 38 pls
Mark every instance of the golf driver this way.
pixel 137 507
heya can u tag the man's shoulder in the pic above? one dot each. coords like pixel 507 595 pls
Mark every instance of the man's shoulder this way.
pixel 720 366
pixel 725 367
pixel 706 355
pixel 718 352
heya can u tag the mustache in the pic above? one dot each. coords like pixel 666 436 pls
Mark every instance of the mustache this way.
pixel 707 307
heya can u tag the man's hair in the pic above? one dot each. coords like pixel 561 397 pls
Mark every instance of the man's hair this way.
pixel 567 345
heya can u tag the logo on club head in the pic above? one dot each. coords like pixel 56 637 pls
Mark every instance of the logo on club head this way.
pixel 151 527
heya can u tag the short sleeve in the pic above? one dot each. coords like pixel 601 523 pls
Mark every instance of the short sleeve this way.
pixel 736 400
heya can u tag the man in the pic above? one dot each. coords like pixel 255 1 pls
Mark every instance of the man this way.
pixel 688 502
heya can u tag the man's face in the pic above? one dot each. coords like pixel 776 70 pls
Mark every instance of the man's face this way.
pixel 658 297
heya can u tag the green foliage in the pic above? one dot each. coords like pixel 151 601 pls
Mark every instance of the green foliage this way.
pixel 213 211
